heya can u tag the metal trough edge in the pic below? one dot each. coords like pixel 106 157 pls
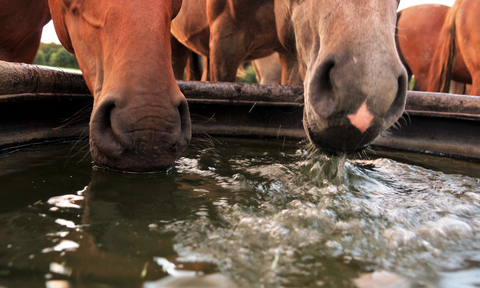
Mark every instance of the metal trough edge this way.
pixel 39 103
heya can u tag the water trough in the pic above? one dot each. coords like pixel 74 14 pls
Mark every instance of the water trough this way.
pixel 43 104
pixel 242 213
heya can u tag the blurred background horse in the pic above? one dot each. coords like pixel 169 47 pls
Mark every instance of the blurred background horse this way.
pixel 229 33
pixel 21 25
pixel 459 38
pixel 418 31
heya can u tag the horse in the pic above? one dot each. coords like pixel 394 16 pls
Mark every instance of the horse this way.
pixel 459 37
pixel 140 120
pixel 21 23
pixel 187 65
pixel 354 82
pixel 228 34
pixel 418 30
pixel 268 70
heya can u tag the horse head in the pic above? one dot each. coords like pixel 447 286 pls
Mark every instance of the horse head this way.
pixel 140 119
pixel 355 85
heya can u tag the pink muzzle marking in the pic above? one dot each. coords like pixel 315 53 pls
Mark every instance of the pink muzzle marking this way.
pixel 362 119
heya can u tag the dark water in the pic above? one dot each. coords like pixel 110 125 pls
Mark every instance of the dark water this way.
pixel 239 214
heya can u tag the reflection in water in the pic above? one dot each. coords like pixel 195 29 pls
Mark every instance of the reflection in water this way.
pixel 241 214
pixel 121 228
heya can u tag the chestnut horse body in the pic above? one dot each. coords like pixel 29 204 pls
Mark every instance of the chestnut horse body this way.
pixel 229 33
pixel 355 84
pixel 418 31
pixel 21 25
pixel 459 38
pixel 140 119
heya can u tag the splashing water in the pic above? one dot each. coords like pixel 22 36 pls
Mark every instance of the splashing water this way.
pixel 326 222
pixel 256 214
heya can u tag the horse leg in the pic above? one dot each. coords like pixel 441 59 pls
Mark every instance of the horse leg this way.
pixel 226 54
pixel 473 66
pixel 457 87
pixel 206 69
pixel 180 55
pixel 194 69
pixel 468 39
pixel 258 72
pixel 472 61
pixel 471 48
pixel 475 83
pixel 290 73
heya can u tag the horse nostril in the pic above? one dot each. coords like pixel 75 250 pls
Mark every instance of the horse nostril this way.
pixel 101 121
pixel 103 139
pixel 326 82
pixel 186 126
pixel 321 89
pixel 106 114
pixel 174 147
pixel 398 105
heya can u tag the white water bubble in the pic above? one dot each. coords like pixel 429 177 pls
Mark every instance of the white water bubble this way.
pixel 445 227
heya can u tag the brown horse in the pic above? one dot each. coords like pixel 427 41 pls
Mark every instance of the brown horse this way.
pixel 268 70
pixel 460 36
pixel 185 62
pixel 355 84
pixel 229 33
pixel 21 25
pixel 140 119
pixel 418 30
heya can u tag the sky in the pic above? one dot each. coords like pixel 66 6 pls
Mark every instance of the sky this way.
pixel 49 34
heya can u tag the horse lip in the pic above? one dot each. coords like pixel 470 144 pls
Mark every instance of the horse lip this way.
pixel 134 169
pixel 330 151
pixel 120 152
pixel 132 160
pixel 326 141
pixel 151 171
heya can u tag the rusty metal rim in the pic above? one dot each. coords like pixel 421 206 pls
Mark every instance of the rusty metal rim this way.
pixel 413 108
pixel 463 116
pixel 443 105
pixel 444 124
pixel 40 97
pixel 39 82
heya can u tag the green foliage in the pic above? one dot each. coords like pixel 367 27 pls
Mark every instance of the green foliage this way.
pixel 412 83
pixel 249 77
pixel 40 58
pixel 55 55
pixel 62 58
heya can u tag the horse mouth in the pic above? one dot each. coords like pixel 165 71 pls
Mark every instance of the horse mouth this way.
pixel 138 138
pixel 131 160
pixel 324 145
pixel 338 139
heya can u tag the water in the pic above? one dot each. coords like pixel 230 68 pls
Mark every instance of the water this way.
pixel 239 214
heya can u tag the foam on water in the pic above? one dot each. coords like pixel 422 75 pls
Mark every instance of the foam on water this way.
pixel 259 216
pixel 379 215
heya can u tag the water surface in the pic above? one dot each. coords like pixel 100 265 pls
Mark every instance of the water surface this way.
pixel 239 214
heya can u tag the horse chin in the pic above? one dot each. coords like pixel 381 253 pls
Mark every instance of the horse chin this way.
pixel 130 161
pixel 340 138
